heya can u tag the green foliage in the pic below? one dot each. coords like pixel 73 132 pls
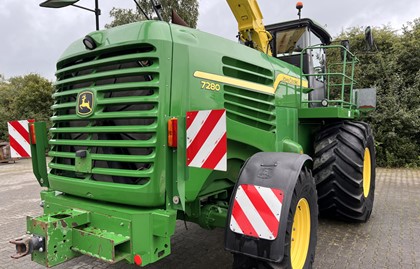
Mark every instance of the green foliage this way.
pixel 187 9
pixel 24 97
pixel 395 72
pixel 123 16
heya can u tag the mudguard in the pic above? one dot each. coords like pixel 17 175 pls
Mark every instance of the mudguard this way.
pixel 263 174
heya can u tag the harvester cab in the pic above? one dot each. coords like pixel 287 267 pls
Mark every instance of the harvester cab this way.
pixel 155 122
pixel 302 43
pixel 305 44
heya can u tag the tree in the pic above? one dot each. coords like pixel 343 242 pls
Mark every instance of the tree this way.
pixel 24 97
pixel 123 16
pixel 395 72
pixel 187 9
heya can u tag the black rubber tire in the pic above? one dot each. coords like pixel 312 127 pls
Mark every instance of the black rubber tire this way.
pixel 338 170
pixel 305 188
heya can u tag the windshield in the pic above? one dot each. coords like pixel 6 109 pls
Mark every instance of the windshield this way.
pixel 290 41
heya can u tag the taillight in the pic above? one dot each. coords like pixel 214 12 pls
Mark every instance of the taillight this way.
pixel 173 132
pixel 32 135
pixel 138 260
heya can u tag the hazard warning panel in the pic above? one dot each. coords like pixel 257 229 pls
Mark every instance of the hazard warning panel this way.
pixel 256 211
pixel 206 139
pixel 19 138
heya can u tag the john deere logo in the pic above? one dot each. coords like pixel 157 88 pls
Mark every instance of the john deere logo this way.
pixel 85 103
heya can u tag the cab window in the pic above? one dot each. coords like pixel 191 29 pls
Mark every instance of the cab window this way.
pixel 289 42
pixel 317 55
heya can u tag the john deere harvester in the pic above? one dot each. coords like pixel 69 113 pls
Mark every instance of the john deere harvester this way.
pixel 155 122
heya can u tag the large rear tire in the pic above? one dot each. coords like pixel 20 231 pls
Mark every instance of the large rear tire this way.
pixel 344 170
pixel 300 237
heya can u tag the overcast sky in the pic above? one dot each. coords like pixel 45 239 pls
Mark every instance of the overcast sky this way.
pixel 33 38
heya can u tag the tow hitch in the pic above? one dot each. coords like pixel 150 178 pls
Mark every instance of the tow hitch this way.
pixel 27 244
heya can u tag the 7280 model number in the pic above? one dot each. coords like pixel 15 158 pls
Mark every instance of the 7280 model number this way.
pixel 210 85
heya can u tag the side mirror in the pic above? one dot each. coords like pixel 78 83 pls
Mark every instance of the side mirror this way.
pixel 365 99
pixel 346 46
pixel 369 38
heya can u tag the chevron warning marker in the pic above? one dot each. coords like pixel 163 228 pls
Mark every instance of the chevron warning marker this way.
pixel 19 138
pixel 206 139
pixel 256 211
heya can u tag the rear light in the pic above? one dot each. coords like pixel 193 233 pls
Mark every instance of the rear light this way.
pixel 173 132
pixel 32 135
pixel 137 259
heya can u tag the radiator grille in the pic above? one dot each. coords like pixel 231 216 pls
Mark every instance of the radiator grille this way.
pixel 121 133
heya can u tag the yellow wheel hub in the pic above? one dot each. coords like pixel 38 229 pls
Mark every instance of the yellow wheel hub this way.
pixel 366 173
pixel 301 234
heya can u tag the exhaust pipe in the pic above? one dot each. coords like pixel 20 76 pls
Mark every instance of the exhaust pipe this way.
pixel 27 244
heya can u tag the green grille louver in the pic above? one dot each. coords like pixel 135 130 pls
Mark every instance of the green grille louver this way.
pixel 245 106
pixel 121 134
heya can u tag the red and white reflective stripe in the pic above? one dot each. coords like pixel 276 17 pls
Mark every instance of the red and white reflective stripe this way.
pixel 206 139
pixel 19 138
pixel 256 211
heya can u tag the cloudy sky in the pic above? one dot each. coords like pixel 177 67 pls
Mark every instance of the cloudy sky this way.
pixel 32 38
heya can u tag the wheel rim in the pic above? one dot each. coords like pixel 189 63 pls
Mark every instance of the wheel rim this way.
pixel 366 173
pixel 301 234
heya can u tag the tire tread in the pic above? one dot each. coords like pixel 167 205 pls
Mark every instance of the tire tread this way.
pixel 338 170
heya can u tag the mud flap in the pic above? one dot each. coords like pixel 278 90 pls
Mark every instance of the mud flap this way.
pixel 259 206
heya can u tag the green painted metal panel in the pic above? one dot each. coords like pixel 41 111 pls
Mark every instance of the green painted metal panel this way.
pixel 56 229
pixel 121 87
pixel 105 191
pixel 125 134
pixel 39 162
pixel 326 113
pixel 100 244
pixel 108 74
pixel 103 231
pixel 104 143
pixel 106 157
pixel 108 129
pixel 82 165
pixel 105 62
pixel 287 124
pixel 251 119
